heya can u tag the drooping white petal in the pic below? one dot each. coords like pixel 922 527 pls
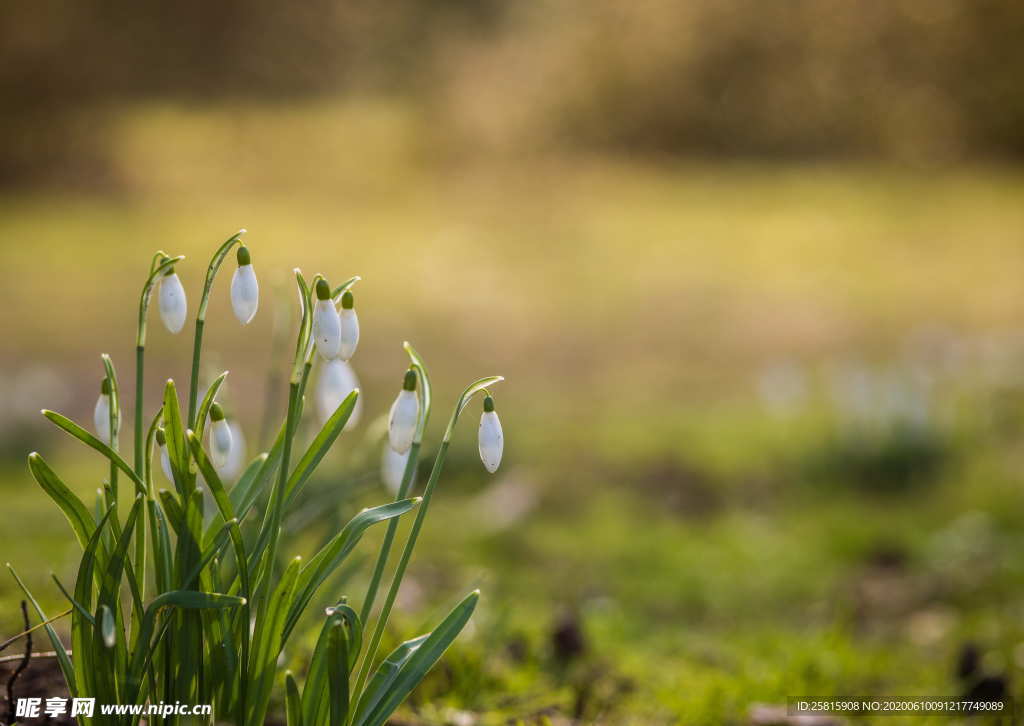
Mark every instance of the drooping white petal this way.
pixel 245 293
pixel 236 458
pixel 165 463
pixel 349 333
pixel 101 418
pixel 327 329
pixel 173 304
pixel 402 420
pixel 490 440
pixel 392 468
pixel 337 380
pixel 220 443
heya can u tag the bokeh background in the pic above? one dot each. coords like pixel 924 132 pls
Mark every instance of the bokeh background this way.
pixel 752 271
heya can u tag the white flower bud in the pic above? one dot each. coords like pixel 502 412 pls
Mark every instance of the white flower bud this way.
pixel 349 327
pixel 101 413
pixel 337 380
pixel 326 322
pixel 165 460
pixel 392 468
pixel 236 459
pixel 490 439
pixel 173 304
pixel 220 437
pixel 245 290
pixel 405 412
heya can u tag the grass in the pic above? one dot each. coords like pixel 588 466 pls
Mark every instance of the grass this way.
pixel 713 551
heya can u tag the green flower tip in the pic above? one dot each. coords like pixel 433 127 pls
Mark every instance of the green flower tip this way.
pixel 347 301
pixel 216 412
pixel 105 386
pixel 243 256
pixel 488 404
pixel 409 384
pixel 323 289
pixel 161 437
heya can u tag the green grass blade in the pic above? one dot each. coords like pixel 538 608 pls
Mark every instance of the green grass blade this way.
pixel 314 694
pixel 185 599
pixel 266 643
pixel 66 667
pixel 319 446
pixel 341 289
pixel 293 704
pixel 74 603
pixel 337 674
pixel 334 553
pixel 66 424
pixel 207 402
pixel 174 431
pixel 380 701
pixel 74 509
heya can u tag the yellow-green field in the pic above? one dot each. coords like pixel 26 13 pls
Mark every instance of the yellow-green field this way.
pixel 705 467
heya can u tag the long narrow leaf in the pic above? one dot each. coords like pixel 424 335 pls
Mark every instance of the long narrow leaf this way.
pixel 320 445
pixel 74 509
pixel 62 656
pixel 334 553
pixel 63 422
pixel 337 674
pixel 380 701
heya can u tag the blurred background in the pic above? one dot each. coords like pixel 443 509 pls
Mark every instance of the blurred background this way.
pixel 752 271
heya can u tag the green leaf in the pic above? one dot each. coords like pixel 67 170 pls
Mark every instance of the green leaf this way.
pixel 174 432
pixel 401 672
pixel 185 599
pixel 81 644
pixel 293 705
pixel 266 642
pixel 207 402
pixel 250 485
pixel 62 656
pixel 334 553
pixel 74 509
pixel 224 505
pixel 74 603
pixel 314 695
pixel 175 514
pixel 337 674
pixel 343 288
pixel 319 446
pixel 88 439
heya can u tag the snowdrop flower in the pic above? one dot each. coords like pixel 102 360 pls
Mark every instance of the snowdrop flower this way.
pixel 245 290
pixel 392 468
pixel 405 411
pixel 165 460
pixel 337 380
pixel 490 438
pixel 236 459
pixel 326 322
pixel 349 327
pixel 220 437
pixel 101 414
pixel 173 305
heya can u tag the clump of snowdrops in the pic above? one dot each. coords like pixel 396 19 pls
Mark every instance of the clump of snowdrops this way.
pixel 172 601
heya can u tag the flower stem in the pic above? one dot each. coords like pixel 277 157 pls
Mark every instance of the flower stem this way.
pixel 140 359
pixel 403 563
pixel 389 537
pixel 193 381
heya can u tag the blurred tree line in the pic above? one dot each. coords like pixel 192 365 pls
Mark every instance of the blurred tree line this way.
pixel 917 80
